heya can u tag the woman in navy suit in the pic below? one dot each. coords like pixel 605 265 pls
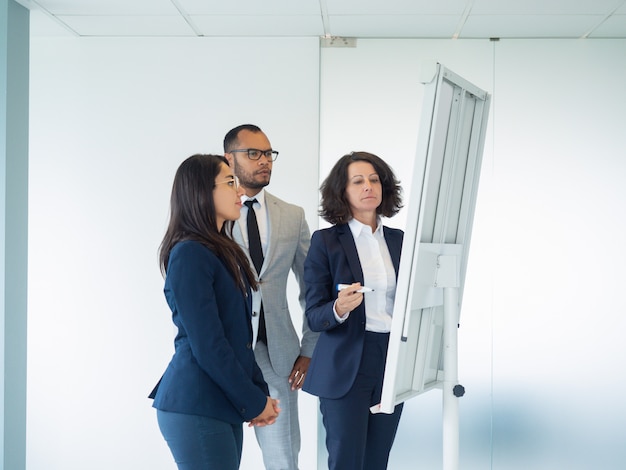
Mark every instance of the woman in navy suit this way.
pixel 212 383
pixel 347 367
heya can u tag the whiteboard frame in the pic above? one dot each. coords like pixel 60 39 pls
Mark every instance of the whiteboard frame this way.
pixel 440 212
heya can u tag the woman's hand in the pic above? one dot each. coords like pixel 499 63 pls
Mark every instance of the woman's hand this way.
pixel 348 299
pixel 269 414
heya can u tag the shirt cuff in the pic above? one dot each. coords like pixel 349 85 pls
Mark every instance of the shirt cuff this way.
pixel 337 317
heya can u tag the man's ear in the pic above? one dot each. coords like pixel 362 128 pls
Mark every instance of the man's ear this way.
pixel 229 158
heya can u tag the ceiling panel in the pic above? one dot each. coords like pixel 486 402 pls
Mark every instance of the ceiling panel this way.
pixel 544 7
pixel 252 25
pixel 613 27
pixel 396 7
pixel 525 26
pixel 350 18
pixel 42 25
pixel 128 25
pixel 251 7
pixel 108 7
pixel 393 26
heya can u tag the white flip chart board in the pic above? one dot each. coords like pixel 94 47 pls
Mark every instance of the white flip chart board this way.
pixel 439 222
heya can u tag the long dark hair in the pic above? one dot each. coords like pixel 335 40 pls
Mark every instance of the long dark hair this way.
pixel 192 217
pixel 334 206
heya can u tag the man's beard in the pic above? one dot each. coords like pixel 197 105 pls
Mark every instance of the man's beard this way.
pixel 247 180
pixel 254 185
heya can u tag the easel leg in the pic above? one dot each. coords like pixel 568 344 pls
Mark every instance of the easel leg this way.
pixel 451 372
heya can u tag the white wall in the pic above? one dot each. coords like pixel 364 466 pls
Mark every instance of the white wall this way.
pixel 111 120
pixel 540 342
pixel 541 354
pixel 558 357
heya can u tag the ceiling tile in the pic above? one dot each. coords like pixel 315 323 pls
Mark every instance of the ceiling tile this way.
pixel 254 25
pixel 393 26
pixel 543 7
pixel 613 27
pixel 43 25
pixel 251 7
pixel 109 7
pixel 128 25
pixel 351 18
pixel 528 26
pixel 395 7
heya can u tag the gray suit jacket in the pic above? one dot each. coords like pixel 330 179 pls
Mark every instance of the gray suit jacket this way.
pixel 287 248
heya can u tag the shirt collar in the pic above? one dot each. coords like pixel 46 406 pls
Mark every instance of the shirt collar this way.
pixel 357 227
pixel 260 197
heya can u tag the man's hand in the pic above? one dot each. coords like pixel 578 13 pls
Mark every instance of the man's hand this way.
pixel 296 378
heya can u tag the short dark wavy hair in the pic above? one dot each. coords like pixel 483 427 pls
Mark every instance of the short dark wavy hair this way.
pixel 334 206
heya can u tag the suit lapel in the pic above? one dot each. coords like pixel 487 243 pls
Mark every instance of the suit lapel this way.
pixel 394 243
pixel 347 242
pixel 273 211
pixel 238 237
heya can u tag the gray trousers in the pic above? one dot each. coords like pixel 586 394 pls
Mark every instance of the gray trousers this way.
pixel 279 442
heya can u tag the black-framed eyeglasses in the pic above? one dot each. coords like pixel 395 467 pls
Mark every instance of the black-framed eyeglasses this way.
pixel 255 154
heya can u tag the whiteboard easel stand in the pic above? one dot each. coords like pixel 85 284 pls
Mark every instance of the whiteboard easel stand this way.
pixel 438 271
pixel 423 346
pixel 448 276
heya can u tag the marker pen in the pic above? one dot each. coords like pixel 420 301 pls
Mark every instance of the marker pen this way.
pixel 362 289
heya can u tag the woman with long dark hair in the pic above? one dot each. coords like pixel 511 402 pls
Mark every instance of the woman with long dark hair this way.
pixel 212 384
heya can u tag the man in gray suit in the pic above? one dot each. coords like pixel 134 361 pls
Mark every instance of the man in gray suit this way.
pixel 284 241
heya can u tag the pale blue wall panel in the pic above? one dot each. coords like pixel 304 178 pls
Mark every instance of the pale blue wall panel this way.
pixel 14 64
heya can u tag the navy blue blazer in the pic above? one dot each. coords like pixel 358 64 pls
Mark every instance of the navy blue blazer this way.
pixel 213 372
pixel 333 259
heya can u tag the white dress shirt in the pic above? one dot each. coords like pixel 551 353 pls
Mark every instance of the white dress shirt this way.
pixel 378 274
pixel 262 219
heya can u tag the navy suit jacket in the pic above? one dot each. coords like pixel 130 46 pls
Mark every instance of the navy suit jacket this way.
pixel 213 372
pixel 333 259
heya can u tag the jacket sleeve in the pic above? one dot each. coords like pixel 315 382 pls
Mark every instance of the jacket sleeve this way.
pixel 320 295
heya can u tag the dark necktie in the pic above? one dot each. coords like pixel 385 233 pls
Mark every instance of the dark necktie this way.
pixel 254 239
pixel 256 253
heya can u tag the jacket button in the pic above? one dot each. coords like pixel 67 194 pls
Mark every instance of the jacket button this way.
pixel 254 314
pixel 249 345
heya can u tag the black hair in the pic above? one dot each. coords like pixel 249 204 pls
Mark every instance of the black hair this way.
pixel 230 140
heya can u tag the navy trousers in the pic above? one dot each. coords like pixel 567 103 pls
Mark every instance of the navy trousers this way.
pixel 355 438
pixel 201 443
